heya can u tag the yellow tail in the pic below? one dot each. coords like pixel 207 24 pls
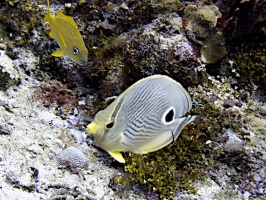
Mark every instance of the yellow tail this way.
pixel 48 16
pixel 48 4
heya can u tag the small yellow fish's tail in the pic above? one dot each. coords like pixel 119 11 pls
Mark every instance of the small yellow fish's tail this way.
pixel 48 4
pixel 48 16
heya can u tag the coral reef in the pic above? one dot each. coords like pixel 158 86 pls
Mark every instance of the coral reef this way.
pixel 216 49
pixel 73 158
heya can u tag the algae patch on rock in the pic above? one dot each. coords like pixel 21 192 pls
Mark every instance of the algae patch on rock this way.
pixel 200 23
pixel 172 169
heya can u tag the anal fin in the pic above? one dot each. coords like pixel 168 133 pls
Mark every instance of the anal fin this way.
pixel 117 156
pixel 58 53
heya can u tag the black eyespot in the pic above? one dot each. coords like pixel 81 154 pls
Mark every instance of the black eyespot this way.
pixel 110 125
pixel 75 50
pixel 169 116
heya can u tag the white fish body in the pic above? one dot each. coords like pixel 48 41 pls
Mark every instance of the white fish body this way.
pixel 144 118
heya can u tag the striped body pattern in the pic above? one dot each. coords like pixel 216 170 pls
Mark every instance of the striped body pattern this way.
pixel 144 118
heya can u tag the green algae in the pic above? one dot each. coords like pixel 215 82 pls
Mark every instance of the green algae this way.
pixel 171 169
pixel 250 60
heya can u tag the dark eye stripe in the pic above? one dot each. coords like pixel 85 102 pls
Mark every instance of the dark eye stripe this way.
pixel 117 108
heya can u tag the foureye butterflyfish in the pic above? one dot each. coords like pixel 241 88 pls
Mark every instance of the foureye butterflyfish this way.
pixel 146 117
pixel 65 31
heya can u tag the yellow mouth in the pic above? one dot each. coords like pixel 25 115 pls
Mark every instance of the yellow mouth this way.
pixel 93 128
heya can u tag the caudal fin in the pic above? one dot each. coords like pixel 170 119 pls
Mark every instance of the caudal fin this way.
pixel 48 16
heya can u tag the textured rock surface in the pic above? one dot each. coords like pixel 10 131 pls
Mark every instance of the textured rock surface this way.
pixel 30 141
pixel 8 74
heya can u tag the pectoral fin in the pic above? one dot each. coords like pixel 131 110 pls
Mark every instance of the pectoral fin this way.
pixel 117 155
pixel 58 53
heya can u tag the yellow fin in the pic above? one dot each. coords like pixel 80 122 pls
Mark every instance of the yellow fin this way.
pixel 69 19
pixel 58 53
pixel 48 16
pixel 51 34
pixel 61 14
pixel 117 155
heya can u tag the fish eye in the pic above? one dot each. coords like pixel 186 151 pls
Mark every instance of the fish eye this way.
pixel 168 116
pixel 110 125
pixel 75 50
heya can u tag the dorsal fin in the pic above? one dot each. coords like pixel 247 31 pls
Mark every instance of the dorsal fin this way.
pixel 69 19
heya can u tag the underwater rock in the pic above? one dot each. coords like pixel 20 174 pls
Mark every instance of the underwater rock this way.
pixel 72 155
pixel 161 48
pixel 4 129
pixel 233 143
pixel 77 135
pixel 241 18
pixel 159 7
pixel 200 23
pixel 8 74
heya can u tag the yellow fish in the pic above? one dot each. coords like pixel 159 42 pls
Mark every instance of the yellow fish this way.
pixel 146 117
pixel 65 31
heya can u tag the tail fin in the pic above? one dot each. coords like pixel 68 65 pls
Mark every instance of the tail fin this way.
pixel 48 15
